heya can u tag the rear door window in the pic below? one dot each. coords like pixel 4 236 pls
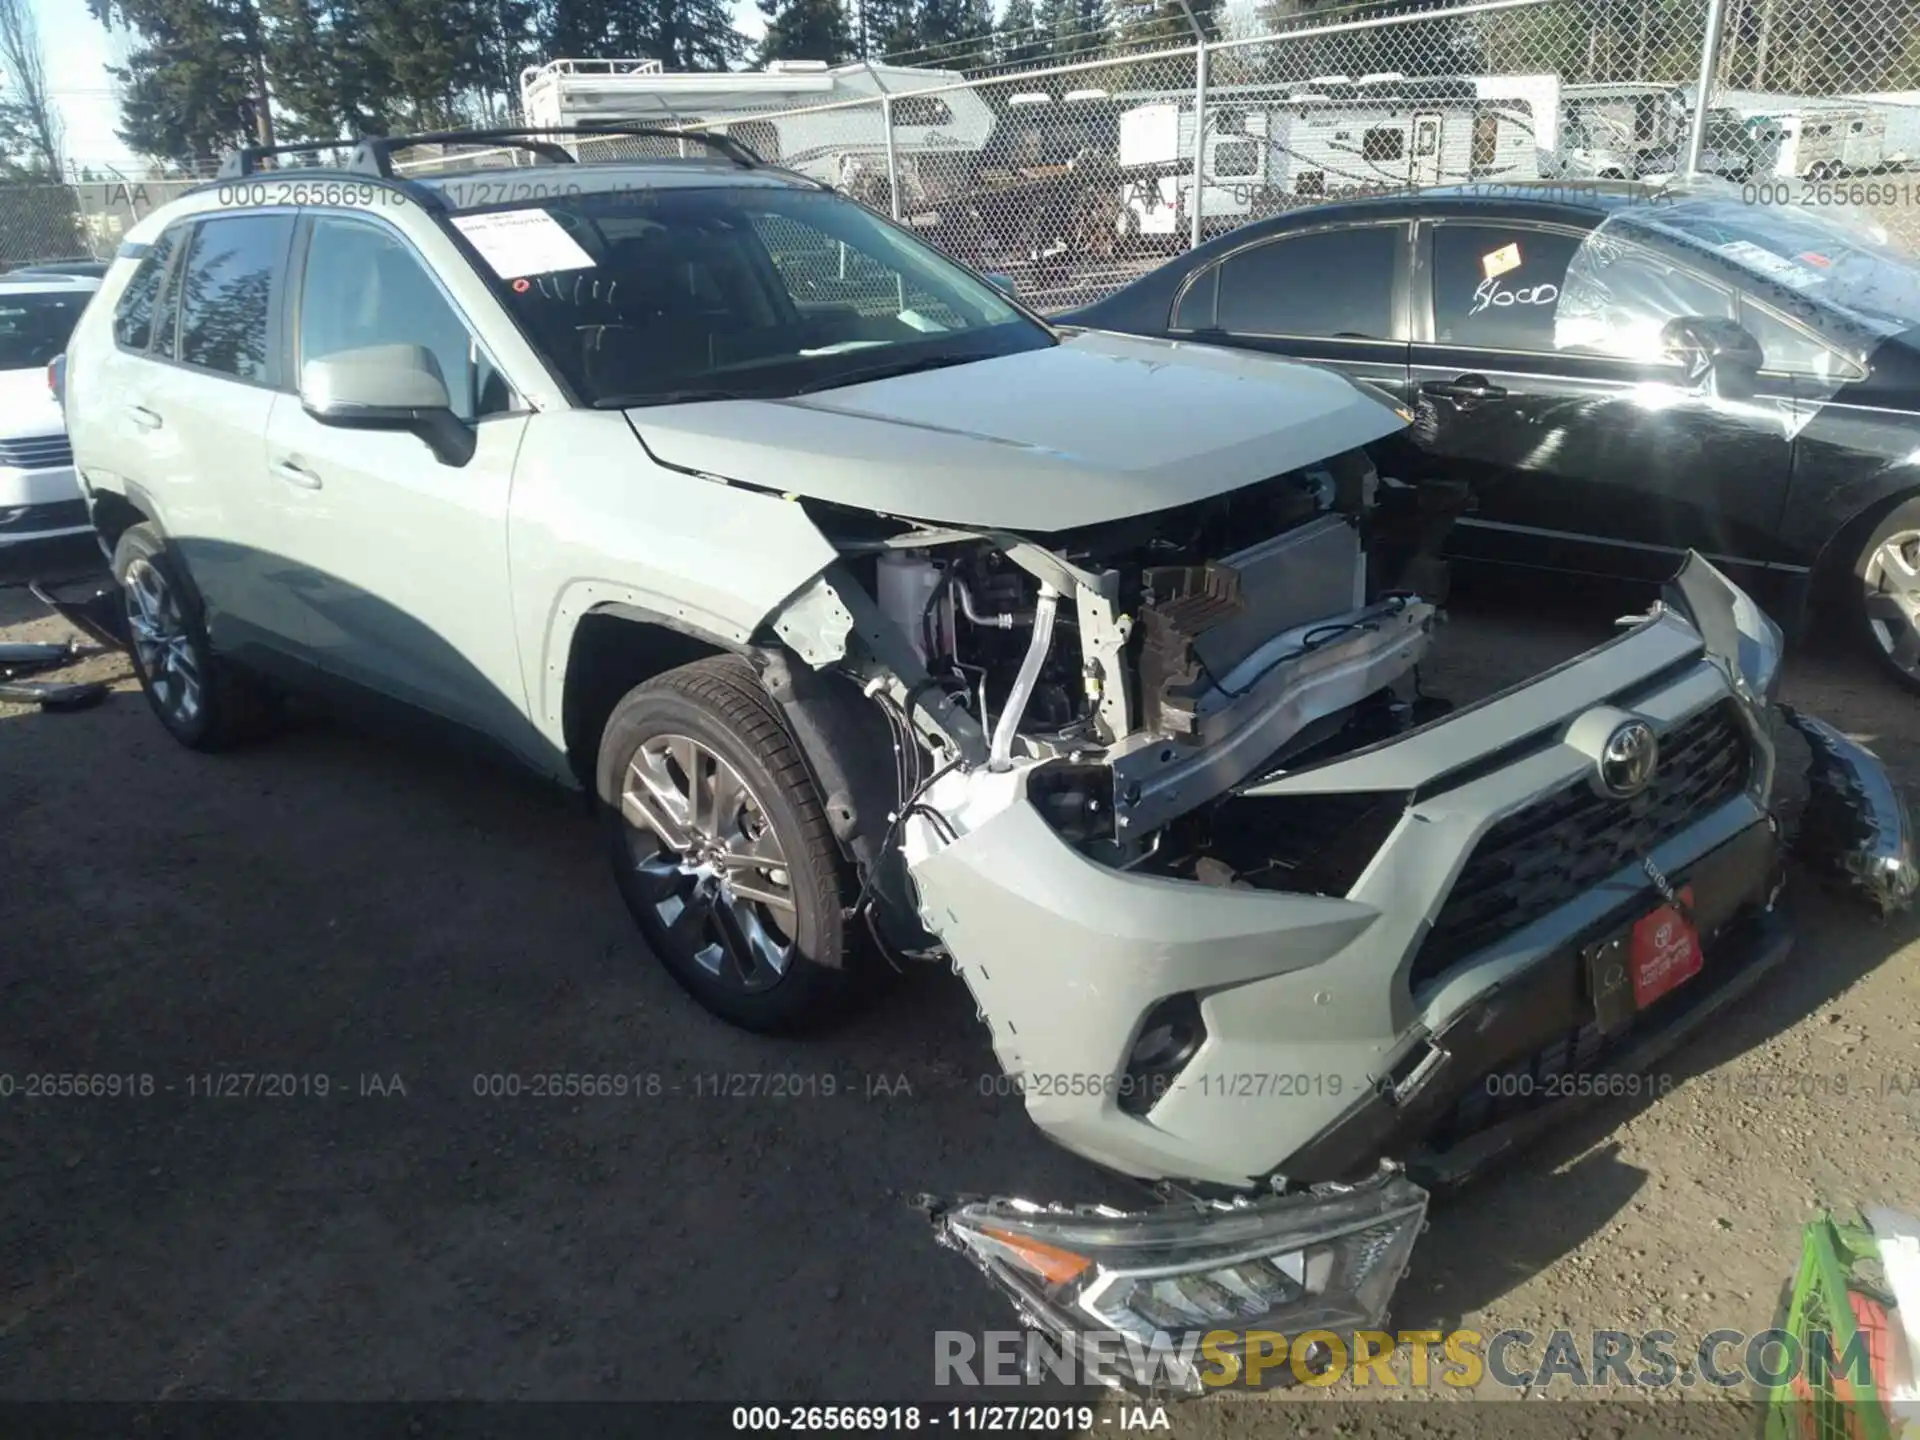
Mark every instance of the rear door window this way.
pixel 1497 287
pixel 134 316
pixel 1330 284
pixel 230 292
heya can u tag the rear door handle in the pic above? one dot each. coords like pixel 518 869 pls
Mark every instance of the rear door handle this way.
pixel 1467 387
pixel 144 417
pixel 297 474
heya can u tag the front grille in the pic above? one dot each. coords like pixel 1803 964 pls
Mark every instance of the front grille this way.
pixel 1550 853
pixel 41 452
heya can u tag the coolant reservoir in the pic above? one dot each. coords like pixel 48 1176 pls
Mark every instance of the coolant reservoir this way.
pixel 906 582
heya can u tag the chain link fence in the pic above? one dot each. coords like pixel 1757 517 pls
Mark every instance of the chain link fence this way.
pixel 1074 171
pixel 1074 177
pixel 39 220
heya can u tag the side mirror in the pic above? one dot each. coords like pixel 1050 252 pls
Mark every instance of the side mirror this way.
pixel 1716 354
pixel 1004 283
pixel 387 387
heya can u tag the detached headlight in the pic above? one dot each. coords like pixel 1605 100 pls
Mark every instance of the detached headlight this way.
pixel 1168 1279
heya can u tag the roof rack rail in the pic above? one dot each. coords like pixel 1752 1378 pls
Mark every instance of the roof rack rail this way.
pixel 374 153
pixel 237 164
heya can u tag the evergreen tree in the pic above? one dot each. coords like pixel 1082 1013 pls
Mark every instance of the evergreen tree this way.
pixel 1075 29
pixel 1157 24
pixel 955 34
pixel 805 30
pixel 1016 39
pixel 195 83
pixel 888 27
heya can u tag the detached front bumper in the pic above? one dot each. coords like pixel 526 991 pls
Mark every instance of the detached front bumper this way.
pixel 1300 1009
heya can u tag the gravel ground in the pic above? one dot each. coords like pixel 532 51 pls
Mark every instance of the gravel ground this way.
pixel 400 922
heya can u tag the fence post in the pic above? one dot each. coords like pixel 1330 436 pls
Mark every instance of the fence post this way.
pixel 1709 73
pixel 1199 123
pixel 893 154
pixel 893 157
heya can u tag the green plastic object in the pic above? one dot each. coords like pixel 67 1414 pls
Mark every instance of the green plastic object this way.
pixel 1819 1405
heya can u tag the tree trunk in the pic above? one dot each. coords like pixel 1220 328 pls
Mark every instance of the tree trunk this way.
pixel 262 102
pixel 1640 40
pixel 1760 45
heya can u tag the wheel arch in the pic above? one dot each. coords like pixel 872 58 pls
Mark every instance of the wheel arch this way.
pixel 614 647
pixel 114 513
pixel 1834 561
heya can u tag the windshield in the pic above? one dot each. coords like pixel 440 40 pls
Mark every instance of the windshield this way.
pixel 685 293
pixel 1830 257
pixel 34 327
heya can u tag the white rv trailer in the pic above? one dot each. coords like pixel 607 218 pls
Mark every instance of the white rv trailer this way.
pixel 1271 145
pixel 791 112
pixel 1809 137
pixel 1899 110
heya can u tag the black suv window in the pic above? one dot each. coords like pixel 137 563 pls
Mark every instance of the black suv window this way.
pixel 133 316
pixel 1496 287
pixel 1330 284
pixel 34 326
pixel 364 287
pixel 228 293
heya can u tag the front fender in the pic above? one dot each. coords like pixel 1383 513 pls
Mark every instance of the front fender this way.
pixel 595 523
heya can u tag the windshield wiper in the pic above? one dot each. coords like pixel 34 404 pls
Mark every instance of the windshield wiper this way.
pixel 863 373
pixel 671 397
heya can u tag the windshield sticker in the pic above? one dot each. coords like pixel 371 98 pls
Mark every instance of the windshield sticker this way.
pixel 1778 267
pixel 1492 294
pixel 523 242
pixel 1499 262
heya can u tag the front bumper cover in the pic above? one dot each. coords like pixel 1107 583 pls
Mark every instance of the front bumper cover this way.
pixel 1856 828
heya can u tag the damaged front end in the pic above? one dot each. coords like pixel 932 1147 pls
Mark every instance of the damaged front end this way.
pixel 1245 912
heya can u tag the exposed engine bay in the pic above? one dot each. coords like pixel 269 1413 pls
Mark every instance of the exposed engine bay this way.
pixel 1141 668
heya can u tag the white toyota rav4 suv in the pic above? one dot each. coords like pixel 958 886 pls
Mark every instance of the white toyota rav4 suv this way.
pixel 881 616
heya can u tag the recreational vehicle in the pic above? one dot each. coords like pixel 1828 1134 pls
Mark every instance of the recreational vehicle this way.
pixel 1899 111
pixel 1813 138
pixel 1268 147
pixel 824 121
pixel 1641 130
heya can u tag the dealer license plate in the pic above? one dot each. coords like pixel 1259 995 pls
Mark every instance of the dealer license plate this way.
pixel 1630 972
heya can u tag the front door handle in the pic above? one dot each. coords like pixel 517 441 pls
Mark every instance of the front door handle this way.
pixel 296 474
pixel 144 417
pixel 1465 387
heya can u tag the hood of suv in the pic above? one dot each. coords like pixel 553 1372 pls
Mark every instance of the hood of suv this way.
pixel 1097 428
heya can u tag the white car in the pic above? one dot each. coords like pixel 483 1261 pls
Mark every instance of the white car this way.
pixel 39 497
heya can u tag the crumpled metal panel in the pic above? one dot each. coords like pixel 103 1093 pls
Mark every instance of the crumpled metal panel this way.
pixel 1856 827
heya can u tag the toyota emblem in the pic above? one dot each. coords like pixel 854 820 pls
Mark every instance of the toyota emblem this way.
pixel 1627 763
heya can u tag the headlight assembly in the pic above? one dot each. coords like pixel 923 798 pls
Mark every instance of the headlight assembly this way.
pixel 1168 1280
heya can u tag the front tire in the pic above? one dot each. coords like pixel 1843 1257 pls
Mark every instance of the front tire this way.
pixel 1886 598
pixel 721 848
pixel 201 700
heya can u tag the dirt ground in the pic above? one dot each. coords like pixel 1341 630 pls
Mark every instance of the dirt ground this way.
pixel 396 926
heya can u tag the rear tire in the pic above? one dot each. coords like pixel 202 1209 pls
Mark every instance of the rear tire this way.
pixel 1885 598
pixel 204 703
pixel 721 848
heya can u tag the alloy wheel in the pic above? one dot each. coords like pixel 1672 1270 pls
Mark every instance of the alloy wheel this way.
pixel 1891 579
pixel 709 864
pixel 162 645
